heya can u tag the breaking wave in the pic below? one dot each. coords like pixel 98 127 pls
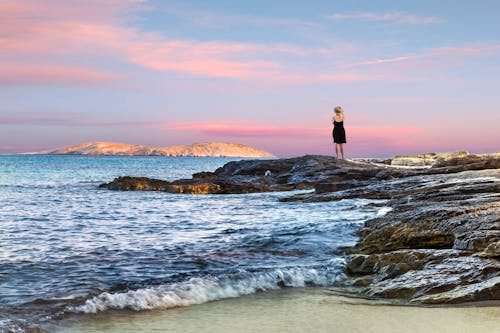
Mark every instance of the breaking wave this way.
pixel 202 290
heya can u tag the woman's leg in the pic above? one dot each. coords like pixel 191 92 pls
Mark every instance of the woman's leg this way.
pixel 337 150
pixel 341 151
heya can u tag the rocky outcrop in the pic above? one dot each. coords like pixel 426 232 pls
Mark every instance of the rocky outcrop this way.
pixel 427 159
pixel 327 175
pixel 440 243
pixel 249 176
pixel 430 159
pixel 197 149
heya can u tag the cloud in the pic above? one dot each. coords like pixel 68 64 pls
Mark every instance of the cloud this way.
pixel 287 140
pixel 59 42
pixel 13 73
pixel 391 17
pixel 429 61
pixel 51 118
pixel 50 36
pixel 243 129
pixel 239 129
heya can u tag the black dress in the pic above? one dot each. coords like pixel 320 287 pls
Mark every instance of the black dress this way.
pixel 338 132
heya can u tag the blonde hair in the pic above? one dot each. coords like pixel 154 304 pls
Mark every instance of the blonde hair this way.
pixel 338 110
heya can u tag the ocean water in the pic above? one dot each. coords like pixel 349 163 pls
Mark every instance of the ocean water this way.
pixel 69 248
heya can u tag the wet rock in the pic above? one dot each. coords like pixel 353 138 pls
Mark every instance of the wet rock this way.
pixel 361 264
pixel 489 289
pixel 147 184
pixel 457 218
pixel 136 184
pixel 328 187
pixel 441 277
pixel 440 243
pixel 204 175
pixel 390 264
pixel 492 250
pixel 323 173
pixel 362 281
pixel 250 176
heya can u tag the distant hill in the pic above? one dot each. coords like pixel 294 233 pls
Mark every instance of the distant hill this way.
pixel 197 149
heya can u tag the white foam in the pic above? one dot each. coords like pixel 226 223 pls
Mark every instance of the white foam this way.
pixel 201 290
pixel 383 210
pixel 8 325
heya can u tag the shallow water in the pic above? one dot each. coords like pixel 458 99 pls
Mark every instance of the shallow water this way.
pixel 69 247
pixel 299 310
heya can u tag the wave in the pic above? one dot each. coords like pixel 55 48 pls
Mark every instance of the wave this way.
pixel 202 290
pixel 382 211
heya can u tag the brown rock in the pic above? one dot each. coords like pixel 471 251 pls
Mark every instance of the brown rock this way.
pixel 439 243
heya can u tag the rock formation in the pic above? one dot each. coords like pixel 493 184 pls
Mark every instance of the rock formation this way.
pixel 197 149
pixel 440 243
pixel 425 159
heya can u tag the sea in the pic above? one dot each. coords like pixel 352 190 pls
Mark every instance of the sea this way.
pixel 71 249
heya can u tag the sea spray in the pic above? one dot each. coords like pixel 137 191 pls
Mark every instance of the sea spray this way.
pixel 202 290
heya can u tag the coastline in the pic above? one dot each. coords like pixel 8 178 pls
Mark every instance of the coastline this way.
pixel 422 251
pixel 440 243
pixel 294 310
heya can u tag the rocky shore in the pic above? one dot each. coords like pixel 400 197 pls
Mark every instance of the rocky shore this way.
pixel 440 243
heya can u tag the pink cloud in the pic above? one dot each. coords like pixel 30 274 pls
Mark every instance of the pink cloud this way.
pixel 29 73
pixel 295 140
pixel 69 119
pixel 58 30
pixel 239 129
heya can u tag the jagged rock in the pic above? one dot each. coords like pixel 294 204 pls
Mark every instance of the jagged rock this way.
pixel 492 250
pixel 427 159
pixel 136 184
pixel 324 173
pixel 455 273
pixel 440 243
pixel 456 215
pixel 394 263
pixel 204 175
pixel 250 176
pixel 489 289
pixel 147 184
pixel 328 187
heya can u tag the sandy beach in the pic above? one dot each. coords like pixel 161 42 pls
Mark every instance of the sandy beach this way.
pixel 299 310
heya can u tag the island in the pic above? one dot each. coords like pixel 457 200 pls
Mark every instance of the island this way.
pixel 204 149
pixel 439 243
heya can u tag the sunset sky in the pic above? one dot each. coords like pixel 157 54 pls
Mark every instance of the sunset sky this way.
pixel 412 76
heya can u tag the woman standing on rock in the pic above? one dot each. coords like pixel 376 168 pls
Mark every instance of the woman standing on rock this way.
pixel 338 130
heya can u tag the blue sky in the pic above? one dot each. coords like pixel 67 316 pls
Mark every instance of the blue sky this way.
pixel 413 76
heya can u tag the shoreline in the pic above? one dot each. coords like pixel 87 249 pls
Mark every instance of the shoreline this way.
pixel 293 310
pixel 440 242
pixel 426 250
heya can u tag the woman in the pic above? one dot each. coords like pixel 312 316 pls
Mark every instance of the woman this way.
pixel 338 130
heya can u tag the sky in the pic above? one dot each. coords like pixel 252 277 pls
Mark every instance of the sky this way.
pixel 412 76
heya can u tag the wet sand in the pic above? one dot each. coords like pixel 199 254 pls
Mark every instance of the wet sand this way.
pixel 297 310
